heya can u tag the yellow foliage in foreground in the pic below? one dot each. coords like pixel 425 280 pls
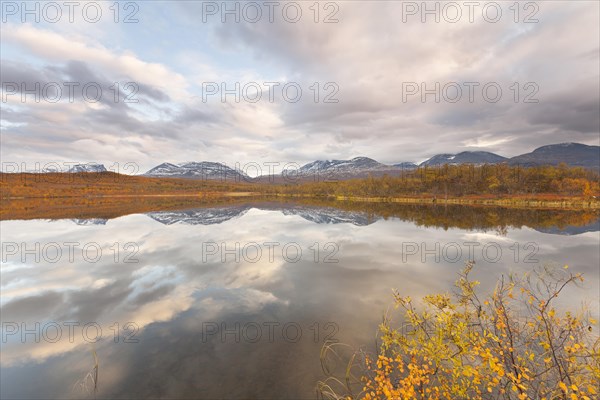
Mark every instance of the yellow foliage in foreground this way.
pixel 513 344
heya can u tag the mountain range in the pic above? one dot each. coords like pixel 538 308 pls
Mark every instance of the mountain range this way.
pixel 465 157
pixel 357 167
pixel 572 154
pixel 89 167
pixel 204 170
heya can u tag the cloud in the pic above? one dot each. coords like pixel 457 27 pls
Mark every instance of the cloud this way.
pixel 369 56
pixel 54 47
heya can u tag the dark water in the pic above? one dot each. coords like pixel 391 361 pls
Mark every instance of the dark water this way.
pixel 237 301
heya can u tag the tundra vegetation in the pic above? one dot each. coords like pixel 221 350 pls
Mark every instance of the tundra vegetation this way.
pixel 460 180
pixel 468 180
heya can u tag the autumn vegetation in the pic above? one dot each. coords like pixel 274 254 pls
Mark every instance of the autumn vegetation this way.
pixel 482 218
pixel 442 181
pixel 500 185
pixel 95 184
pixel 516 343
pixel 107 207
pixel 461 180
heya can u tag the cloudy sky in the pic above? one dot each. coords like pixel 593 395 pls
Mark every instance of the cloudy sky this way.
pixel 333 81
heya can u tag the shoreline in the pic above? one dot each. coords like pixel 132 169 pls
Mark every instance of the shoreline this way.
pixel 507 202
pixel 514 202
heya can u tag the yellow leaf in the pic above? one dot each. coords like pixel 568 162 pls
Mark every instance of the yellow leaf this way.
pixel 591 390
pixel 563 387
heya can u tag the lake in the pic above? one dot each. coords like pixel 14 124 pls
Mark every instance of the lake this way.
pixel 236 300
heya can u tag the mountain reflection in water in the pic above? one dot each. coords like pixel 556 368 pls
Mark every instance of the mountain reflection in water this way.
pixel 559 222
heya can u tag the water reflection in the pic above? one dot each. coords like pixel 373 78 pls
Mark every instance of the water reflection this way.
pixel 560 222
pixel 208 326
pixel 211 216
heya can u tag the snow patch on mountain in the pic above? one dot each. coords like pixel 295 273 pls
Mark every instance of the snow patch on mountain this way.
pixel 197 170
pixel 89 167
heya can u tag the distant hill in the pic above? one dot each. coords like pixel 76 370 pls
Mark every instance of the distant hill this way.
pixel 572 154
pixel 204 170
pixel 89 167
pixel 406 165
pixel 361 164
pixel 320 170
pixel 465 157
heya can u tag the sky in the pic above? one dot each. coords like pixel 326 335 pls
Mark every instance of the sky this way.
pixel 292 82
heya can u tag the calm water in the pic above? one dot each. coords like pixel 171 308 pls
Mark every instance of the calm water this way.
pixel 180 317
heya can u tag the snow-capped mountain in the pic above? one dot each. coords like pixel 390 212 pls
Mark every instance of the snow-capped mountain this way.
pixel 465 157
pixel 205 170
pixel 336 169
pixel 353 165
pixel 406 165
pixel 89 167
pixel 573 154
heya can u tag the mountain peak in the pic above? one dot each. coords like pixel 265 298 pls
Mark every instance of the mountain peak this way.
pixel 362 159
pixel 574 154
pixel 352 166
pixel 464 157
pixel 207 170
pixel 88 167
pixel 567 145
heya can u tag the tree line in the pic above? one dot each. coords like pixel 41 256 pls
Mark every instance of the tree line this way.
pixel 460 180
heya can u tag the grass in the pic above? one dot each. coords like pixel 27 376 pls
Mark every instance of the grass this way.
pixel 89 383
